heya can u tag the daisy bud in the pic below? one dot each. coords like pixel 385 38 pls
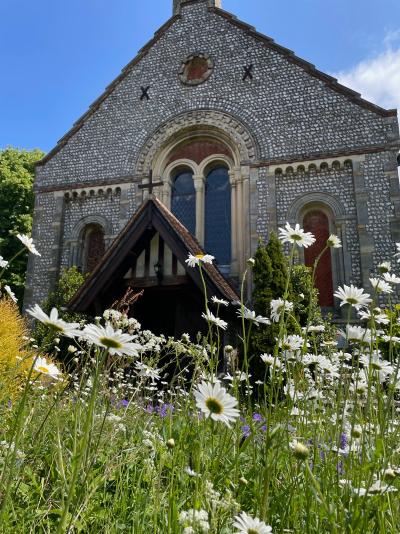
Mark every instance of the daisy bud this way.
pixel 56 340
pixel 389 474
pixel 300 451
pixel 384 267
pixel 171 443
pixel 72 349
pixel 243 481
pixel 251 262
pixel 229 349
pixel 356 432
pixel 334 241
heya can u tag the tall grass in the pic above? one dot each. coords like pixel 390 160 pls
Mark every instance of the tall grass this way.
pixel 120 445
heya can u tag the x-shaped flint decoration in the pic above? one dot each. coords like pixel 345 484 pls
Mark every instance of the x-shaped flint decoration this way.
pixel 145 93
pixel 248 72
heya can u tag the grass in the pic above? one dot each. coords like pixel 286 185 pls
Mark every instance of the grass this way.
pixel 117 446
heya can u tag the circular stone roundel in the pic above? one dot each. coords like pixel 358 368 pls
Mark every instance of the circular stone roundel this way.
pixel 196 69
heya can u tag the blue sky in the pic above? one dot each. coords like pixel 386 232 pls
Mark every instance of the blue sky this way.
pixel 57 56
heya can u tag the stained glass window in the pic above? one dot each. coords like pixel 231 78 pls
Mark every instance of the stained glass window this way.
pixel 183 200
pixel 218 216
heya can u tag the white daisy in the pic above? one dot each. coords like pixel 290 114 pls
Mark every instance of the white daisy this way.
pixel 385 267
pixel 251 316
pixel 271 361
pixel 378 315
pixel 291 343
pixel 28 243
pixel 246 524
pixel 210 318
pixel 278 306
pixel 398 252
pixel 10 293
pixel 219 302
pixel 114 340
pixel 353 296
pixel 192 261
pixel 358 334
pixel 391 278
pixel 53 322
pixel 296 235
pixel 319 328
pixel 3 263
pixel 380 286
pixel 215 402
pixel 334 242
pixel 46 368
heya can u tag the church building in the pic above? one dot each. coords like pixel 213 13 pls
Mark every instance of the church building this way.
pixel 210 138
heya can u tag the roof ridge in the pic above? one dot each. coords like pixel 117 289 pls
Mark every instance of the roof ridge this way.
pixel 331 81
pixel 77 125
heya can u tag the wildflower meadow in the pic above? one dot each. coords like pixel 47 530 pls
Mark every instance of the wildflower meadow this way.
pixel 109 428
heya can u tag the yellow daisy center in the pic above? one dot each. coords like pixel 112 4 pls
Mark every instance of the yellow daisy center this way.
pixel 252 531
pixel 199 256
pixel 214 405
pixel 110 343
pixel 43 369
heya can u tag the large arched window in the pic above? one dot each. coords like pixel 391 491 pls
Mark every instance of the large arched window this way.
pixel 217 216
pixel 183 199
pixel 93 247
pixel 317 222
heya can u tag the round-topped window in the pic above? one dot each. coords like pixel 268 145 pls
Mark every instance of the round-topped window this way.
pixel 196 69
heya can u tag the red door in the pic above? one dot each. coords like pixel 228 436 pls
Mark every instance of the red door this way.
pixel 317 223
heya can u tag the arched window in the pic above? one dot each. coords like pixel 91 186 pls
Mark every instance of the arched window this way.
pixel 93 247
pixel 217 216
pixel 317 222
pixel 183 199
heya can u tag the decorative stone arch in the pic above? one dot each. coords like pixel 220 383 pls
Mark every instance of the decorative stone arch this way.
pixel 319 198
pixel 76 243
pixel 238 150
pixel 330 206
pixel 222 126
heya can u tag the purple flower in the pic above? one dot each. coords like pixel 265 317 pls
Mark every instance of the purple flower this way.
pixel 246 431
pixel 149 408
pixel 164 410
pixel 257 417
pixel 123 403
pixel 343 440
pixel 340 468
pixel 263 428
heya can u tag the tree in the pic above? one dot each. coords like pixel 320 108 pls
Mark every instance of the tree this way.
pixel 270 277
pixel 16 209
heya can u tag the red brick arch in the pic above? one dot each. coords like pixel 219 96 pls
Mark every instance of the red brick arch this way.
pixel 317 222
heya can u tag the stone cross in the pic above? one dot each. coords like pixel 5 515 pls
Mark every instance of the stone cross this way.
pixel 150 185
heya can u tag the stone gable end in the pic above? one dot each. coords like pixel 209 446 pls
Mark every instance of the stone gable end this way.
pixel 289 111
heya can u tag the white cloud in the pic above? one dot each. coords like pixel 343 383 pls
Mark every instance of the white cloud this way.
pixel 377 78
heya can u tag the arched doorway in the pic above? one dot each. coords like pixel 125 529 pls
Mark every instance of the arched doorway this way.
pixel 317 222
pixel 93 247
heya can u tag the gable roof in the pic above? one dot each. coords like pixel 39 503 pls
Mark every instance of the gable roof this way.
pixel 250 30
pixel 151 215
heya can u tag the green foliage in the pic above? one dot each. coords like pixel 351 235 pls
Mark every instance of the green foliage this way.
pixel 304 295
pixel 16 209
pixel 70 281
pixel 279 266
pixel 270 274
pixel 262 279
